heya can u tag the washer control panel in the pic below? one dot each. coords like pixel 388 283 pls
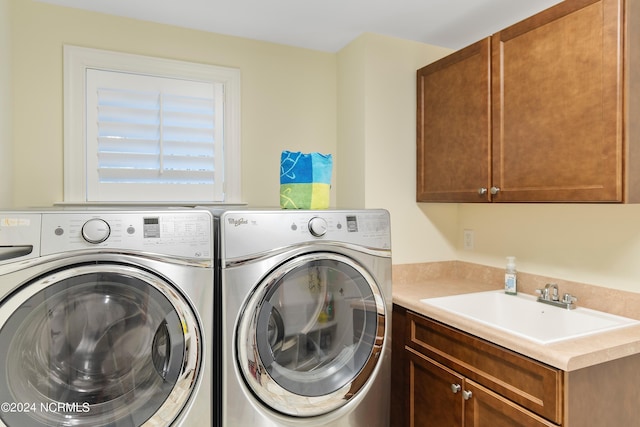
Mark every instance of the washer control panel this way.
pixel 183 233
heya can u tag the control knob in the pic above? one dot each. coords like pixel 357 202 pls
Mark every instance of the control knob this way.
pixel 96 230
pixel 317 226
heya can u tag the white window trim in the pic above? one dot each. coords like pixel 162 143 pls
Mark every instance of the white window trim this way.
pixel 78 59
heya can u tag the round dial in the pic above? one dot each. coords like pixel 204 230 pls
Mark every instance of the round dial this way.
pixel 318 226
pixel 96 230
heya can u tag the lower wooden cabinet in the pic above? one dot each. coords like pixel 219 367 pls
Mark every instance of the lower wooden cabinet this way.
pixel 452 379
pixel 442 397
pixel 444 377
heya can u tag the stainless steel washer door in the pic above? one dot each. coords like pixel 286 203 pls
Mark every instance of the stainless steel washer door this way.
pixel 96 345
pixel 311 334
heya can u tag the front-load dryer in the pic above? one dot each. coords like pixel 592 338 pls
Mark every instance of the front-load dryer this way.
pixel 306 315
pixel 106 318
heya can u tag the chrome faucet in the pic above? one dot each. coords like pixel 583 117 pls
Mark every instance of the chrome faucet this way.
pixel 549 295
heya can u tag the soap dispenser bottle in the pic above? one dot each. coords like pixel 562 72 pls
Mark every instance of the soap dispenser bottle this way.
pixel 510 277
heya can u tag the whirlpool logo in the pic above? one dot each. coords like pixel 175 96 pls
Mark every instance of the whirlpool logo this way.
pixel 237 222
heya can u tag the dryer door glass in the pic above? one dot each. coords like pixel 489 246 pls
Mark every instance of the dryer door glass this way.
pixel 314 336
pixel 93 346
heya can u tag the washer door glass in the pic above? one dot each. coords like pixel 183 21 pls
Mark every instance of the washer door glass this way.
pixel 311 334
pixel 94 346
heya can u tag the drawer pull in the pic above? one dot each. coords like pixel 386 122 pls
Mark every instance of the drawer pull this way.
pixel 455 388
pixel 466 394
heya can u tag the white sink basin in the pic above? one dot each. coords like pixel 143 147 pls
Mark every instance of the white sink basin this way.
pixel 522 315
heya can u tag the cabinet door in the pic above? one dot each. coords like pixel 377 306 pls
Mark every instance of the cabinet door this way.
pixel 484 408
pixel 557 105
pixel 454 127
pixel 432 400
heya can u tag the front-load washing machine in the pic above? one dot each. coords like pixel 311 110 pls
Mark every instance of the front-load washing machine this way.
pixel 106 318
pixel 306 315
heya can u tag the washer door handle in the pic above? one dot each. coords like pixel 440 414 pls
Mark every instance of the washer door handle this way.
pixel 161 350
pixel 275 331
pixel 10 252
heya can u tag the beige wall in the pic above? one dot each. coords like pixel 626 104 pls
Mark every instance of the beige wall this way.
pixel 358 105
pixel 352 124
pixel 288 94
pixel 377 143
pixel 596 244
pixel 289 101
pixel 6 173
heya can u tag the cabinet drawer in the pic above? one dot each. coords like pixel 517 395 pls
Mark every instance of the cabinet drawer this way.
pixel 532 384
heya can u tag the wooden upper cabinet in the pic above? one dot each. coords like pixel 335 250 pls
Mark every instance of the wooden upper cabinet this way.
pixel 555 107
pixel 454 126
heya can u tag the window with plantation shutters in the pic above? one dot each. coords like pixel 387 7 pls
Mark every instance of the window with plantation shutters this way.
pixel 154 134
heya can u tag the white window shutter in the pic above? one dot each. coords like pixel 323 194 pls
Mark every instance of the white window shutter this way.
pixel 151 136
pixel 167 134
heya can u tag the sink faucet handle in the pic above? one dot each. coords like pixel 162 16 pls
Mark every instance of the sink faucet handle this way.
pixel 544 293
pixel 568 298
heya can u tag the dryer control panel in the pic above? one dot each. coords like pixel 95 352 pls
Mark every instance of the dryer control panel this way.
pixel 182 233
pixel 250 232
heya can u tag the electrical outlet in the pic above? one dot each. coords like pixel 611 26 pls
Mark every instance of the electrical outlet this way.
pixel 468 237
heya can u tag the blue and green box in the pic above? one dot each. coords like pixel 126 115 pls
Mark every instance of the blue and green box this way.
pixel 305 180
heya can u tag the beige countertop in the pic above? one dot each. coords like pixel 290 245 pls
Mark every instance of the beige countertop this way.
pixel 567 355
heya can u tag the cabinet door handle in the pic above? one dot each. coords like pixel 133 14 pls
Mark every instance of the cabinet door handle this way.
pixel 495 190
pixel 466 394
pixel 455 388
pixel 482 191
